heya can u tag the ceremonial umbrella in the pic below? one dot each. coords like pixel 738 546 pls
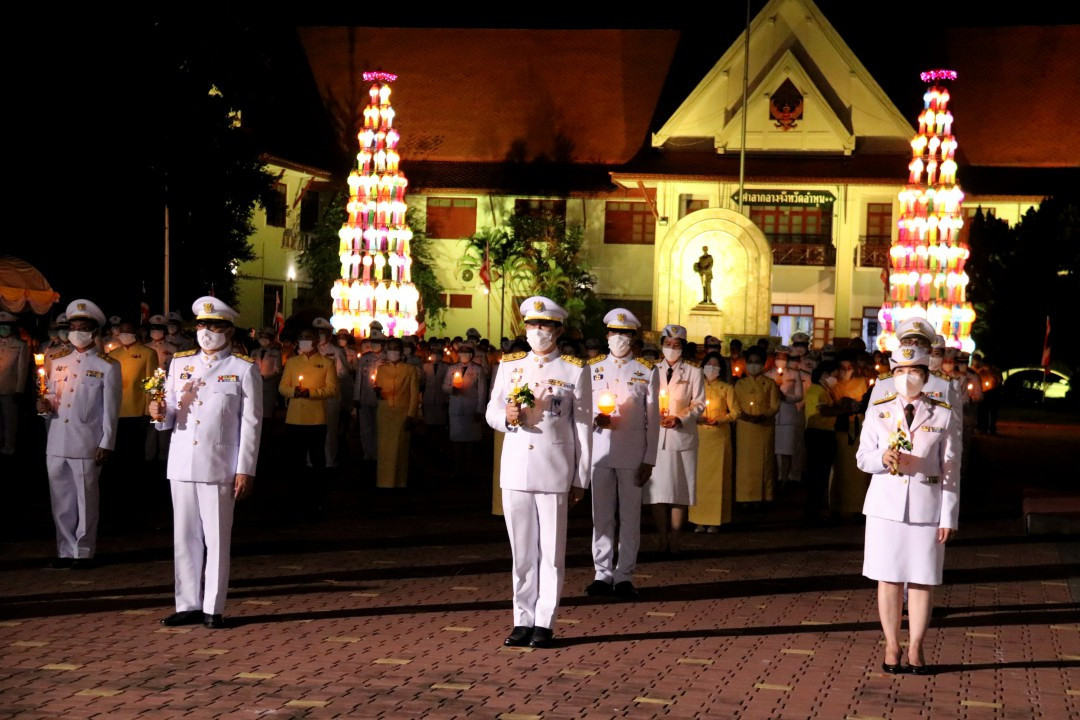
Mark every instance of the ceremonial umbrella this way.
pixel 21 285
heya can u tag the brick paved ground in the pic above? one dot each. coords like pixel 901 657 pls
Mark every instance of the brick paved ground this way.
pixel 394 605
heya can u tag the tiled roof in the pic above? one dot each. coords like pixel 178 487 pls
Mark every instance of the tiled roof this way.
pixel 481 95
pixel 707 165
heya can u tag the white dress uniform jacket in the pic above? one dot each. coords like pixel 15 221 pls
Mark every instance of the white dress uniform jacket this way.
pixel 214 408
pixel 550 450
pixel 634 432
pixel 470 399
pixel 927 487
pixel 686 401
pixel 936 388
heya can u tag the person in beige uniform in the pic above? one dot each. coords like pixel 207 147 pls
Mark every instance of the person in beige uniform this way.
pixel 14 366
pixel 398 388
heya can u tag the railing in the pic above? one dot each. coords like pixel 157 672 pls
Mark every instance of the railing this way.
pixel 802 253
pixel 874 250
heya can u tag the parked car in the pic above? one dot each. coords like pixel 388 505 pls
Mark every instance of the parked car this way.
pixel 1033 385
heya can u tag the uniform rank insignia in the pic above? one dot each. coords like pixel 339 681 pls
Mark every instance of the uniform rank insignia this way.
pixel 560 383
pixel 932 480
pixel 228 378
pixel 884 415
pixel 185 376
pixel 927 428
pixel 189 368
pixel 599 374
pixel 94 373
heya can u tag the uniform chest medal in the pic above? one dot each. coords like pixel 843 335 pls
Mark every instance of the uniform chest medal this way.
pixel 94 373
pixel 598 373
pixel 188 369
pixel 228 378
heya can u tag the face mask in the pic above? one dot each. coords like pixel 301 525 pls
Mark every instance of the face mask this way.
pixel 323 338
pixel 619 345
pixel 909 385
pixel 672 354
pixel 465 357
pixel 210 340
pixel 5 331
pixel 127 338
pixel 393 355
pixel 962 369
pixel 81 338
pixel 264 342
pixel 64 336
pixel 948 366
pixel 157 334
pixel 115 332
pixel 712 372
pixel 540 338
pixel 936 362
pixel 754 368
pixel 304 346
pixel 408 351
pixel 830 381
pixel 780 363
pixel 343 342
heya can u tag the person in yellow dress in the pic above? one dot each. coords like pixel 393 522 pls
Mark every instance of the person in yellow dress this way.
pixel 713 507
pixel 758 400
pixel 849 482
pixel 398 388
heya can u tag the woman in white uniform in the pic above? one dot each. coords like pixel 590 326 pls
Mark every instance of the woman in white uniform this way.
pixel 912 504
pixel 682 400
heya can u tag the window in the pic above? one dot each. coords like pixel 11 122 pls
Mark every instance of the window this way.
pixel 276 205
pixel 451 218
pixel 690 204
pixel 969 211
pixel 879 223
pixel 794 223
pixel 458 301
pixel 870 327
pixel 309 211
pixel 629 223
pixel 823 332
pixel 539 208
pixel 790 319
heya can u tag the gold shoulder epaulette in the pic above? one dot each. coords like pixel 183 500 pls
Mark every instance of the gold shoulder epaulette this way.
pixel 943 376
pixel 598 358
pixel 884 376
pixel 942 403
pixel 64 352
pixel 184 353
pixel 885 399
pixel 692 363
pixel 646 362
pixel 513 356
pixel 242 356
pixel 107 358
pixel 573 360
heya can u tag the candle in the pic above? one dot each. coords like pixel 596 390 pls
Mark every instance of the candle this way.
pixel 971 386
pixel 300 383
pixel 606 403
pixel 663 402
pixel 458 380
pixel 708 415
pixel 872 381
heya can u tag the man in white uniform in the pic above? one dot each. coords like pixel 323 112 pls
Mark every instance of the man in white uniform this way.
pixel 917 332
pixel 546 457
pixel 213 405
pixel 175 335
pixel 81 411
pixel 624 452
pixel 14 365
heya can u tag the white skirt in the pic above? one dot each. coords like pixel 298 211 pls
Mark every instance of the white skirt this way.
pixel 902 552
pixel 674 479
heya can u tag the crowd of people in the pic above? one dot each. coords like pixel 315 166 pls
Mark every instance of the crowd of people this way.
pixel 689 430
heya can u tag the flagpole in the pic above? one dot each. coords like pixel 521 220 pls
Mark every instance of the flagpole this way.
pixel 166 304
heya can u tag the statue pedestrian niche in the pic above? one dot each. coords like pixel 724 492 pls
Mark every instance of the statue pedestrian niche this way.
pixel 704 267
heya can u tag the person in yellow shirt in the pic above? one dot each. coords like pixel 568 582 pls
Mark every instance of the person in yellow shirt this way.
pixel 758 400
pixel 306 381
pixel 127 487
pixel 398 388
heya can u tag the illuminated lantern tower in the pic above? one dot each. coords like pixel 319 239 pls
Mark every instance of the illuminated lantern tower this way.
pixel 376 267
pixel 927 277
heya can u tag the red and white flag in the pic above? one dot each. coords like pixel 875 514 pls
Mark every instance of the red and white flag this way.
pixel 279 318
pixel 144 306
pixel 485 269
pixel 1046 346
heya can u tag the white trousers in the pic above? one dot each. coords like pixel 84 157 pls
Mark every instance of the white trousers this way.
pixel 333 422
pixel 614 489
pixel 202 532
pixel 536 523
pixel 73 488
pixel 9 424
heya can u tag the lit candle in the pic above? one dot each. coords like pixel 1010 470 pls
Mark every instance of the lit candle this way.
pixel 971 386
pixel 458 380
pixel 300 383
pixel 708 403
pixel 606 403
pixel 39 360
pixel 663 402
pixel 872 381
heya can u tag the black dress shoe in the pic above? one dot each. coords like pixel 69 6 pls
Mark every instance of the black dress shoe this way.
pixel 542 637
pixel 61 563
pixel 625 590
pixel 519 636
pixel 214 622
pixel 84 564
pixel 598 588
pixel 892 669
pixel 919 669
pixel 184 617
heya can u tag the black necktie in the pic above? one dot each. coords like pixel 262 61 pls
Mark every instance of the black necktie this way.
pixel 909 414
pixel 669 371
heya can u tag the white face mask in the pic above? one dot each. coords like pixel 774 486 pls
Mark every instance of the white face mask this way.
pixel 672 354
pixel 540 338
pixel 465 357
pixel 909 384
pixel 393 355
pixel 780 363
pixel 754 368
pixel 157 334
pixel 304 346
pixel 619 345
pixel 210 340
pixel 829 381
pixel 343 342
pixel 712 371
pixel 81 338
pixel 936 362
pixel 127 338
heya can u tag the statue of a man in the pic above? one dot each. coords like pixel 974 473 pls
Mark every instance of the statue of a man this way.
pixel 703 267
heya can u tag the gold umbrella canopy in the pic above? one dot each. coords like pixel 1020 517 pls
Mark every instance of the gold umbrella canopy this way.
pixel 21 285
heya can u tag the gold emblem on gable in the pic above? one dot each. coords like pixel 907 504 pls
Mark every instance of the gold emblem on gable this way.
pixel 538 305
